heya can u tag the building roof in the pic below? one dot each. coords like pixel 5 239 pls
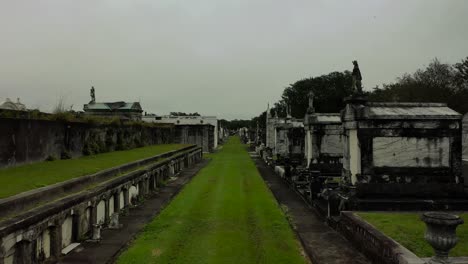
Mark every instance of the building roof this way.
pixel 113 106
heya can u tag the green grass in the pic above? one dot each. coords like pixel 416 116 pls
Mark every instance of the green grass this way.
pixel 226 214
pixel 408 230
pixel 27 177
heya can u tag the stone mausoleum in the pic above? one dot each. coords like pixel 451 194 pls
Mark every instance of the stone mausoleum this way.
pixel 401 156
pixel 289 137
pixel 323 141
pixel 122 110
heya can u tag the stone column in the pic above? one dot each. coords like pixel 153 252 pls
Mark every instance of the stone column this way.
pixel 93 218
pixel 2 254
pixel 309 146
pixel 354 154
pixel 147 185
pixel 171 169
pixel 153 181
pixel 24 252
pixel 55 241
pixel 116 198
pixel 106 210
pixel 126 197
pixel 141 188
pixel 156 178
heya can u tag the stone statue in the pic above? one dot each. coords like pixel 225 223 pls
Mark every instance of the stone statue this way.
pixel 93 95
pixel 311 108
pixel 288 111
pixel 357 78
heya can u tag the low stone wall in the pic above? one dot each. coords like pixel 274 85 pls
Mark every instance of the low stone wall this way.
pixel 30 199
pixel 378 247
pixel 31 140
pixel 42 233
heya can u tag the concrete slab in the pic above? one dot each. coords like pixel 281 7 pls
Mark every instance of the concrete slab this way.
pixel 69 248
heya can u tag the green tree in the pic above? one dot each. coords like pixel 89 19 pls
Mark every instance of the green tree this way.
pixel 329 92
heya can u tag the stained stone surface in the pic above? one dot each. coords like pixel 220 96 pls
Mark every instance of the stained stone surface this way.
pixel 411 152
pixel 332 144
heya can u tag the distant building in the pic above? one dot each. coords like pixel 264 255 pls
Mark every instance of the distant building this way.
pixel 179 121
pixel 123 110
pixel 9 105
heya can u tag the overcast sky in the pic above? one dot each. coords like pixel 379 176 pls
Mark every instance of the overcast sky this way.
pixel 224 58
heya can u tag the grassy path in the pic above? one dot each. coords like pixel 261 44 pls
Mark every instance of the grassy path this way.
pixel 226 214
pixel 27 177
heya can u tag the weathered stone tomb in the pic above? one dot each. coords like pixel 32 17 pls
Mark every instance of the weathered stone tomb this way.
pixel 397 154
pixel 323 142
pixel 289 137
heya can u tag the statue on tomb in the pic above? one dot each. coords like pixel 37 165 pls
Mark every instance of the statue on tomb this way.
pixel 357 78
pixel 311 108
pixel 93 95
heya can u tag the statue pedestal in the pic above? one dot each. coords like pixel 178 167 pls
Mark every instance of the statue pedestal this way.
pixel 356 99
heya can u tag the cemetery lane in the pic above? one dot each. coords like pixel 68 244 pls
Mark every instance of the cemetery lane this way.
pixel 226 214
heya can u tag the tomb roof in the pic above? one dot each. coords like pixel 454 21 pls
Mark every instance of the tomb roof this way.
pixel 410 110
pixel 413 111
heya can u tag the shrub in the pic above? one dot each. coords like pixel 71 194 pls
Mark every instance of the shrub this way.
pixel 50 158
pixel 65 155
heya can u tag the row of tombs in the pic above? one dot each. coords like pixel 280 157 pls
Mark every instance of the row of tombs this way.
pixel 371 156
pixel 46 233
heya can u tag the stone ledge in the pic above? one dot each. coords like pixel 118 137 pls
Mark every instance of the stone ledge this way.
pixel 373 243
pixel 38 214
